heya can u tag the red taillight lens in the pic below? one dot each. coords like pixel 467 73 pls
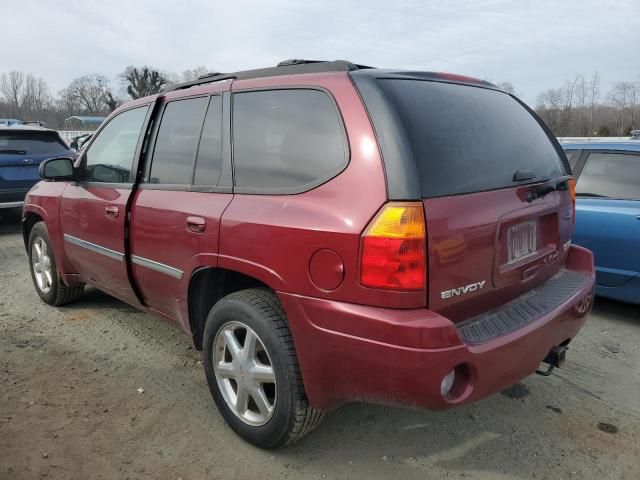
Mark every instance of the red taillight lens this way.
pixel 572 187
pixel 393 248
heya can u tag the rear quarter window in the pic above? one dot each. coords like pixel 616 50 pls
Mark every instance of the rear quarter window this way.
pixel 468 139
pixel 287 140
pixel 613 175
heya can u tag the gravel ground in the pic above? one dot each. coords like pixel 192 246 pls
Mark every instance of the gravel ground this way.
pixel 98 390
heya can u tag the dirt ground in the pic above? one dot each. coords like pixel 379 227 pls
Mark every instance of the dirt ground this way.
pixel 70 406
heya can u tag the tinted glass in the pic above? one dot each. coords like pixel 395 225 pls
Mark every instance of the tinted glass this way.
pixel 177 141
pixel 30 143
pixel 110 156
pixel 468 139
pixel 572 157
pixel 612 175
pixel 209 162
pixel 286 139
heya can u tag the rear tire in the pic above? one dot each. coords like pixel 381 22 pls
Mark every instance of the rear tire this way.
pixel 286 416
pixel 44 273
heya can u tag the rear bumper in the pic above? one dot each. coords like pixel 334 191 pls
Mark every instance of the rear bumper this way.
pixel 357 353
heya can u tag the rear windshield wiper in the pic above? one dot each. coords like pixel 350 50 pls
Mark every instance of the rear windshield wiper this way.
pixel 551 185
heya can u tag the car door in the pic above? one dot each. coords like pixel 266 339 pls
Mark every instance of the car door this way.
pixel 93 209
pixel 608 214
pixel 177 208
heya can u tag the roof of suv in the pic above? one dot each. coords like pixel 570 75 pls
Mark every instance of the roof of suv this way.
pixel 299 66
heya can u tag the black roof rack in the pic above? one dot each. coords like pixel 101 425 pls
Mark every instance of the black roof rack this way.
pixel 286 67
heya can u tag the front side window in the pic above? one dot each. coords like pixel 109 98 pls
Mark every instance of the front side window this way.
pixel 110 157
pixel 177 141
pixel 613 175
pixel 287 140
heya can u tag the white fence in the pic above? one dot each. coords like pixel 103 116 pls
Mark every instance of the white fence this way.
pixel 68 135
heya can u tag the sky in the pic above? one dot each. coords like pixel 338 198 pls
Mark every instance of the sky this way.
pixel 535 45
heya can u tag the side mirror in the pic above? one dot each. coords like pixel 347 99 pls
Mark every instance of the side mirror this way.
pixel 57 169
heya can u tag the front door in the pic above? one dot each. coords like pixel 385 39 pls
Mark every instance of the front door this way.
pixel 608 214
pixel 93 209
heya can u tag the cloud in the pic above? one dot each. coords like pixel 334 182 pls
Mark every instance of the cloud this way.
pixel 533 44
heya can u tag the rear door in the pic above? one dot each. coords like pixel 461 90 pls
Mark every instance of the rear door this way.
pixel 21 152
pixel 479 154
pixel 608 214
pixel 93 210
pixel 176 212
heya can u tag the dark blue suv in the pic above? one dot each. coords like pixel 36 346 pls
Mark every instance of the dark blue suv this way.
pixel 22 149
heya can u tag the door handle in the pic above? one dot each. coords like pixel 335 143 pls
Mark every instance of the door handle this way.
pixel 196 224
pixel 111 211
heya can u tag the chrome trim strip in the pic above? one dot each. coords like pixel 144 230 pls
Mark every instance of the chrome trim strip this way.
pixel 157 266
pixel 107 252
pixel 11 204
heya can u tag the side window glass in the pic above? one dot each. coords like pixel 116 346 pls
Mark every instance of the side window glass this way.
pixel 177 141
pixel 287 140
pixel 110 157
pixel 572 157
pixel 209 162
pixel 613 175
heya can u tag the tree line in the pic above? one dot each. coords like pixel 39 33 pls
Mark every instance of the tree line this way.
pixel 576 109
pixel 27 97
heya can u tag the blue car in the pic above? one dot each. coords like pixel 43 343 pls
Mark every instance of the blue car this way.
pixel 608 213
pixel 22 149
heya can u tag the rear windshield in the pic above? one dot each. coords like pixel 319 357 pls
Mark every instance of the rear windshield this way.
pixel 30 143
pixel 468 139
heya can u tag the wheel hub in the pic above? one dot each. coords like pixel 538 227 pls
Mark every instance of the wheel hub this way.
pixel 244 373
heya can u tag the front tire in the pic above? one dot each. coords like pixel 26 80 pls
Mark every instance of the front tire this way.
pixel 44 273
pixel 253 372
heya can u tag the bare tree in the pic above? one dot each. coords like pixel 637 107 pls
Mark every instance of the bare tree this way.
pixel 194 73
pixel 594 94
pixel 143 81
pixel 619 96
pixel 11 86
pixel 507 87
pixel 90 92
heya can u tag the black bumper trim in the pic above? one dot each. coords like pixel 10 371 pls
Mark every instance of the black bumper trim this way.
pixel 523 310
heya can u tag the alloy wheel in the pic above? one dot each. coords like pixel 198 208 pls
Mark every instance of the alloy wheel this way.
pixel 244 373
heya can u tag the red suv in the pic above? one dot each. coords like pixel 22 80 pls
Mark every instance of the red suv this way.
pixel 326 233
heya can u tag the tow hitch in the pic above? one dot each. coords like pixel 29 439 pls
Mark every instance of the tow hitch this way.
pixel 555 358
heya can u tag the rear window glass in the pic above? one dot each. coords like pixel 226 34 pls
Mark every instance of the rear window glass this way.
pixel 286 140
pixel 468 139
pixel 30 143
pixel 177 141
pixel 613 175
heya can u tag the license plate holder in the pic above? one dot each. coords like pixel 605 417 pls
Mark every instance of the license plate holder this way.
pixel 522 240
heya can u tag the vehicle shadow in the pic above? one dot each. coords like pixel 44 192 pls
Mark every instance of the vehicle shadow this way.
pixel 617 311
pixel 10 221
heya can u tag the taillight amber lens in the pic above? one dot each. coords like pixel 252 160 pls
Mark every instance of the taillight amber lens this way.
pixel 393 248
pixel 572 187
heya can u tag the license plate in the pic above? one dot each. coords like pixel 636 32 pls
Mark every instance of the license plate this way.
pixel 522 240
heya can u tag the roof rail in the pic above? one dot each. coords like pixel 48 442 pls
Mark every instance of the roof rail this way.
pixel 286 67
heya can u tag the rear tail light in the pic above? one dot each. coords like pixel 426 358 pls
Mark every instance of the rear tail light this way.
pixel 572 187
pixel 393 248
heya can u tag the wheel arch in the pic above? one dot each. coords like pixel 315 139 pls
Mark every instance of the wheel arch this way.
pixel 207 286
